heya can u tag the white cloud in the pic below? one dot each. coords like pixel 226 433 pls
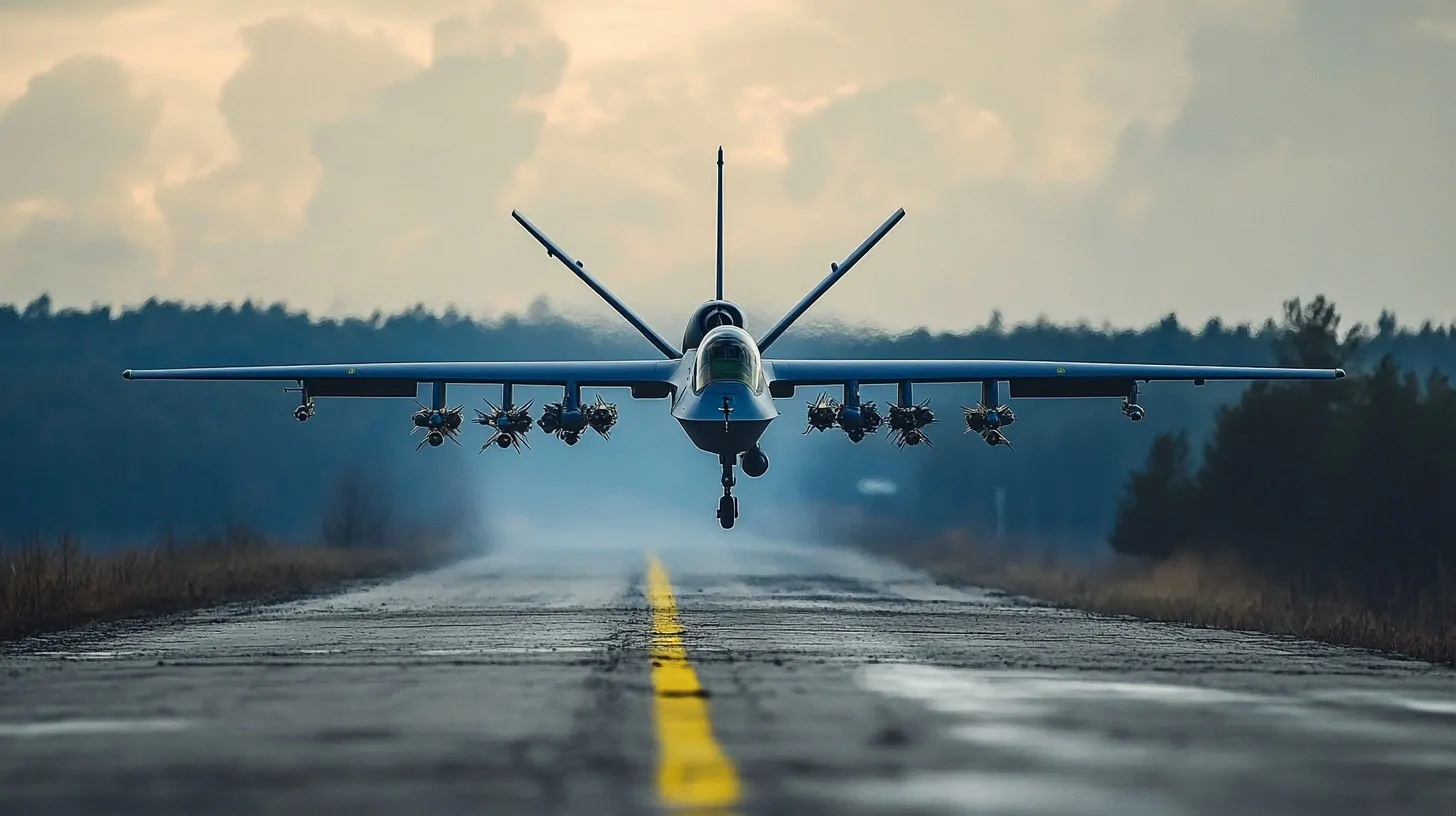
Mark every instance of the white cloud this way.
pixel 1114 159
pixel 78 131
pixel 298 76
pixel 1443 29
pixel 73 150
pixel 376 173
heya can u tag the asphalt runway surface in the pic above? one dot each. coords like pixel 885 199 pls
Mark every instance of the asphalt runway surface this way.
pixel 730 675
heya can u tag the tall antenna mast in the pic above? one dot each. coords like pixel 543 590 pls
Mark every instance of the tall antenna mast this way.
pixel 720 222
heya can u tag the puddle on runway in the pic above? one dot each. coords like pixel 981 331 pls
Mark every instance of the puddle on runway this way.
pixel 507 650
pixel 1385 699
pixel 83 727
pixel 85 655
pixel 1008 793
pixel 1085 742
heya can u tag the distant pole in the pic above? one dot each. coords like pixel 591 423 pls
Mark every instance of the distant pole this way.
pixel 720 222
pixel 1001 514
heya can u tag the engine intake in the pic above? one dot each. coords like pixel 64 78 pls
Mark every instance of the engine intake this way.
pixel 709 316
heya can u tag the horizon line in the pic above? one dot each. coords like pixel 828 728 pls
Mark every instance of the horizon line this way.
pixel 543 302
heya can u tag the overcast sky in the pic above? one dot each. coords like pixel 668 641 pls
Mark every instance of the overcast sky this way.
pixel 1101 160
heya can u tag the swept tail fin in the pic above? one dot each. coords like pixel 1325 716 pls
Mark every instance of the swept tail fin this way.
pixel 612 300
pixel 836 271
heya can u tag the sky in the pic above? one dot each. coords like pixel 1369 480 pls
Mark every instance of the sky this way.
pixel 1104 160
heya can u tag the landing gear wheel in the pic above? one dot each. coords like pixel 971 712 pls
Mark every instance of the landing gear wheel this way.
pixel 727 511
pixel 727 505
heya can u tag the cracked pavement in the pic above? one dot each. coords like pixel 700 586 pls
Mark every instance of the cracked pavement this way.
pixel 835 682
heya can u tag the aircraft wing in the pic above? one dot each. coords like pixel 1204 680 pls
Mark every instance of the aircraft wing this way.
pixel 1028 378
pixel 647 378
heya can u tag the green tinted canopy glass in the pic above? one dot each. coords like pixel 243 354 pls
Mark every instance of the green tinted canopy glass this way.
pixel 728 354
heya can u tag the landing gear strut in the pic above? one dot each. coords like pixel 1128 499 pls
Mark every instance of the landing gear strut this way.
pixel 304 412
pixel 728 505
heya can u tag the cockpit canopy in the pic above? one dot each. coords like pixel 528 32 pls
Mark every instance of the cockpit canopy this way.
pixel 728 354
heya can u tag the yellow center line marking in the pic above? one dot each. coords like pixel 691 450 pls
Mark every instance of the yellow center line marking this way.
pixel 692 769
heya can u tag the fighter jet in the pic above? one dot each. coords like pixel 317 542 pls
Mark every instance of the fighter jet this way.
pixel 719 385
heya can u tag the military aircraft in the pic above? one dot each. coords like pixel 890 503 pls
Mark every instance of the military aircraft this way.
pixel 719 386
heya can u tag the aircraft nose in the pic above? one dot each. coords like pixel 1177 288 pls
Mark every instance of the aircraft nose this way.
pixel 739 399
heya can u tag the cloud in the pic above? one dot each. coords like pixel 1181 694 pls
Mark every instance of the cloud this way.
pixel 380 171
pixel 1439 28
pixel 79 261
pixel 436 149
pixel 1116 159
pixel 73 149
pixel 298 76
pixel 1310 155
pixel 878 122
pixel 1259 156
pixel 54 7
pixel 835 114
pixel 78 131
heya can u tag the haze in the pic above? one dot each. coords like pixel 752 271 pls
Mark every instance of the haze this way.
pixel 1101 160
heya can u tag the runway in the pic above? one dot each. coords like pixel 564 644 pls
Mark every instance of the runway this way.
pixel 731 675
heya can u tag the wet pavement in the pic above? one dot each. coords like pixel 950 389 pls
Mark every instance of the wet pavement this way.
pixel 531 680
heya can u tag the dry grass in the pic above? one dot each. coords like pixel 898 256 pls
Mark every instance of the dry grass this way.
pixel 1215 592
pixel 54 584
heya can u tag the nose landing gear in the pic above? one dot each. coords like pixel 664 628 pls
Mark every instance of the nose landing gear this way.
pixel 728 504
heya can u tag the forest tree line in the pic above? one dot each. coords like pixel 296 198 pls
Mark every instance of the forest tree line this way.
pixel 1062 485
pixel 92 453
pixel 1338 487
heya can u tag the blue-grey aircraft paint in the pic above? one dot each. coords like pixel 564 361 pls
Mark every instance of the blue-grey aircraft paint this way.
pixel 726 414
pixel 725 405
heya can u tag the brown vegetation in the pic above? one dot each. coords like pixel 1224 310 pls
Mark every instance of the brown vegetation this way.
pixel 1314 509
pixel 53 584
pixel 1209 590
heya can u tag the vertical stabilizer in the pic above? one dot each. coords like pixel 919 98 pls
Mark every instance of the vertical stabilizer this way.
pixel 836 271
pixel 720 222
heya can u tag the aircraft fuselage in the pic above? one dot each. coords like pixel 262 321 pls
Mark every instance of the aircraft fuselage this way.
pixel 722 399
pixel 725 432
